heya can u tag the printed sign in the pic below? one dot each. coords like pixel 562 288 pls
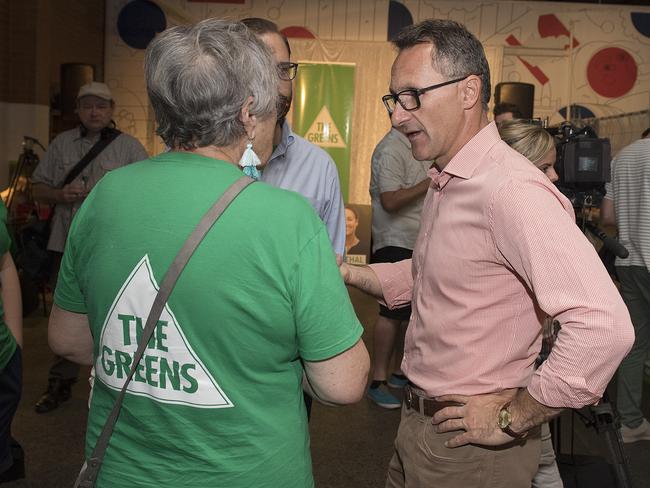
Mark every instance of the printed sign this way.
pixel 323 131
pixel 169 371
pixel 322 111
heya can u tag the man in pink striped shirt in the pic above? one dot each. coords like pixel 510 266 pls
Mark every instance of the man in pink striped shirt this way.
pixel 498 249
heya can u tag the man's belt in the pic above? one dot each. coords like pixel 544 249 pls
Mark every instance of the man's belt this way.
pixel 425 406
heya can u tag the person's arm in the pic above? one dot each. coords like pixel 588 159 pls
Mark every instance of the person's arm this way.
pixel 340 380
pixel 11 298
pixel 535 233
pixel 392 283
pixel 328 333
pixel 607 207
pixel 362 278
pixel 69 336
pixel 477 416
pixel 607 212
pixel 72 192
pixel 392 201
pixel 334 213
pixel 49 175
pixel 571 285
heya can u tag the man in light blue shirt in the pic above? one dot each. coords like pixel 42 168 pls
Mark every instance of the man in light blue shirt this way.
pixel 297 164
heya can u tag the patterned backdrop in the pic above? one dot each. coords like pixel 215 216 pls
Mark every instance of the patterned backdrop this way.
pixel 595 58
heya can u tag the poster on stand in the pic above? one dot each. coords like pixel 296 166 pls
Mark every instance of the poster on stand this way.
pixel 322 111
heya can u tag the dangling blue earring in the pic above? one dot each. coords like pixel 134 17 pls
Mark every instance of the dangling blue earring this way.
pixel 249 162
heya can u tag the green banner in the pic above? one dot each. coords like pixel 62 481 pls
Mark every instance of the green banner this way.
pixel 322 111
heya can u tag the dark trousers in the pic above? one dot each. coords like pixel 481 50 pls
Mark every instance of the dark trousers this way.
pixel 64 369
pixel 635 289
pixel 11 381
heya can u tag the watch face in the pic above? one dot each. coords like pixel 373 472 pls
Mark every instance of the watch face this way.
pixel 504 418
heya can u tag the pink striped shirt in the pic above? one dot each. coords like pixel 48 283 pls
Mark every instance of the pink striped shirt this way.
pixel 498 249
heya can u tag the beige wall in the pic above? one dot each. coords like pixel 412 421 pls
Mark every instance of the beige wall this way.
pixel 36 37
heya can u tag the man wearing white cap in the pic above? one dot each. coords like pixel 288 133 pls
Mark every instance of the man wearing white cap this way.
pixel 74 162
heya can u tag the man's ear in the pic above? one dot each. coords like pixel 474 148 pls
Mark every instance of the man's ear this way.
pixel 471 91
pixel 249 120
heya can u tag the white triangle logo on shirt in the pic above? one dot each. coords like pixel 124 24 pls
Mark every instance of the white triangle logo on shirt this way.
pixel 169 371
pixel 323 131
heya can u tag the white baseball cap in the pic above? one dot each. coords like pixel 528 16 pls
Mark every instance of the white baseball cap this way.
pixel 95 89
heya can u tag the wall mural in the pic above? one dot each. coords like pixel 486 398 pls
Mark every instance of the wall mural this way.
pixel 594 57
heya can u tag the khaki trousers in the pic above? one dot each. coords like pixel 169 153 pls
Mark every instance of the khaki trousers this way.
pixel 421 459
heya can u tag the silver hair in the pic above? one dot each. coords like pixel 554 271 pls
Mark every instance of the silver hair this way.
pixel 199 77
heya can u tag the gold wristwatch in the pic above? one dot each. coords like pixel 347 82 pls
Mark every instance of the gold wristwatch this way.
pixel 504 421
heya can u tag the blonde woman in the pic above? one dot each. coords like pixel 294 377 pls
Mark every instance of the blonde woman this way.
pixel 539 147
pixel 534 142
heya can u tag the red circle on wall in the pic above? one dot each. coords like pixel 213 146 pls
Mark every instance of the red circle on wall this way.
pixel 612 72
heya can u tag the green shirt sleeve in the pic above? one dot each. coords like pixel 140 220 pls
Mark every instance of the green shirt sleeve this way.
pixel 7 341
pixel 325 319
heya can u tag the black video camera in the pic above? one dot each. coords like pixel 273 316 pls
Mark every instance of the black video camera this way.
pixel 582 164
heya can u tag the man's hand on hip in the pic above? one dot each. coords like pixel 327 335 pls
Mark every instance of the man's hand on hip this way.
pixel 477 417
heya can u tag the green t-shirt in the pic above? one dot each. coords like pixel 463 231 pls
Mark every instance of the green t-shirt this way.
pixel 7 340
pixel 217 399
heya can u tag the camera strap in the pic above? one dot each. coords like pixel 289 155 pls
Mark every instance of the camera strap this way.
pixel 108 135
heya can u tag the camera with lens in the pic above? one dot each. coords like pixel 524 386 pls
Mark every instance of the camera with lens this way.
pixel 583 164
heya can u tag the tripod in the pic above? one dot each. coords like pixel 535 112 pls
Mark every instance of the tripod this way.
pixel 23 216
pixel 27 161
pixel 605 420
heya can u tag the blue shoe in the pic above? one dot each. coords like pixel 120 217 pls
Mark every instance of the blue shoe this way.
pixel 397 382
pixel 382 397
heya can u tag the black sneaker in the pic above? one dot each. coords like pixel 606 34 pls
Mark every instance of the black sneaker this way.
pixel 17 470
pixel 58 391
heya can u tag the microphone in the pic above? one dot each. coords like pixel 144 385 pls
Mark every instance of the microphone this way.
pixel 612 244
pixel 609 243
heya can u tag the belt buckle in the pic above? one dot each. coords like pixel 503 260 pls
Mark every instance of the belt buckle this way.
pixel 408 398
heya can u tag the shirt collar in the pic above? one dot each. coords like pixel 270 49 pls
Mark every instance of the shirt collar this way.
pixel 79 134
pixel 285 141
pixel 470 156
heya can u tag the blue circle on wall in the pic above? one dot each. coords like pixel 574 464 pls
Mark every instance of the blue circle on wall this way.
pixel 641 22
pixel 398 17
pixel 578 112
pixel 139 22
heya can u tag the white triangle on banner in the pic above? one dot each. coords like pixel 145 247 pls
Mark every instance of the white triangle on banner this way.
pixel 323 131
pixel 169 371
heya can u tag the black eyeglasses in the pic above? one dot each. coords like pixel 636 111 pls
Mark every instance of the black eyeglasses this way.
pixel 287 71
pixel 410 99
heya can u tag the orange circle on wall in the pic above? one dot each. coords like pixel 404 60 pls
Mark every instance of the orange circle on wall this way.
pixel 611 72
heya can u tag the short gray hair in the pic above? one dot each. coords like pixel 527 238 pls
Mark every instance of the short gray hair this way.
pixel 457 52
pixel 199 78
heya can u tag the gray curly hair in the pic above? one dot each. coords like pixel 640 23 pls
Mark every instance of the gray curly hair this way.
pixel 199 77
